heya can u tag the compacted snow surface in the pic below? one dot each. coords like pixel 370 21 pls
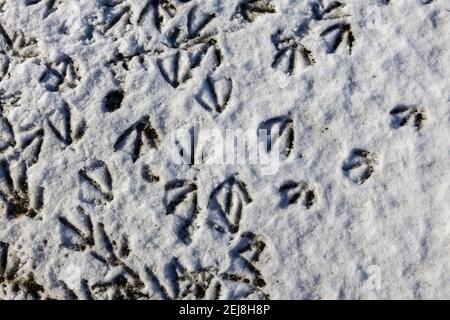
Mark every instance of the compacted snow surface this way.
pixel 103 190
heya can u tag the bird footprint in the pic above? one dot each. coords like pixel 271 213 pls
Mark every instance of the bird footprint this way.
pixel 359 166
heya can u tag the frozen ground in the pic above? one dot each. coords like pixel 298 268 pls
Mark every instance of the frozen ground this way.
pixel 97 201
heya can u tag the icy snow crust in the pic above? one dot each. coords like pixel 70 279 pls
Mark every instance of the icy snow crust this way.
pixel 359 206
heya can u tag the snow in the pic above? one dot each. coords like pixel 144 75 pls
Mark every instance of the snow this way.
pixel 366 186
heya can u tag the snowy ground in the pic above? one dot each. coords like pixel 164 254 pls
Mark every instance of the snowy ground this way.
pixel 101 99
